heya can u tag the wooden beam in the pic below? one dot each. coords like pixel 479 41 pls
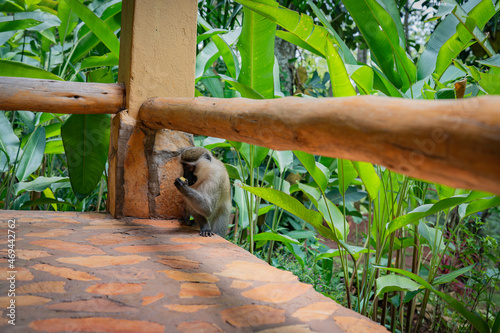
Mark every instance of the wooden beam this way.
pixel 453 142
pixel 18 93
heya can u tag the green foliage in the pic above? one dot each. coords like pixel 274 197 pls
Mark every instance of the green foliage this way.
pixel 86 143
pixel 399 213
pixel 383 35
pixel 32 154
pixel 64 40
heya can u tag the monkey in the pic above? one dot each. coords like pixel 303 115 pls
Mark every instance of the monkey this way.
pixel 206 190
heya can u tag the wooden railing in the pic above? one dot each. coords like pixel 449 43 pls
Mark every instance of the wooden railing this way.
pixel 454 142
pixel 60 96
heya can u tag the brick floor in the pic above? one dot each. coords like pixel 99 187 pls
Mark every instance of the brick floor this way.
pixel 88 272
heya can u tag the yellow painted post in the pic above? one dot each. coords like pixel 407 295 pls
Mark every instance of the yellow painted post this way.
pixel 157 58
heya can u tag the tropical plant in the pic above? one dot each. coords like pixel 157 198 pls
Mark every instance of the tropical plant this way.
pixel 403 213
pixel 56 40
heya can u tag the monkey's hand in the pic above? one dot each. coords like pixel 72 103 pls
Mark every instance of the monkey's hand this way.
pixel 205 231
pixel 181 182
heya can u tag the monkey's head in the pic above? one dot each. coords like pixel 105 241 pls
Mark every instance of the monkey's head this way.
pixel 193 160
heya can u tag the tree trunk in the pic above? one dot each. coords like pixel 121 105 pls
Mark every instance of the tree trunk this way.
pixel 284 52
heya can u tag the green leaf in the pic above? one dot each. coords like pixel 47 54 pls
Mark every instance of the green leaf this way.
pixel 341 83
pixel 244 90
pixel 205 59
pixel 346 52
pixel 29 119
pixel 209 33
pixel 108 59
pixel 452 276
pixel 444 191
pixel 9 143
pixel 313 168
pixel 496 324
pixel 347 173
pixel 467 28
pixel 491 62
pixel 213 84
pixel 444 45
pixel 356 250
pixel 312 193
pixel 256 46
pixel 301 25
pixel 47 193
pixel 19 69
pixel 101 75
pixel 68 18
pixel 54 146
pixel 233 172
pixel 433 236
pixel 283 159
pixel 476 321
pixel 33 154
pixel 270 236
pixel 363 76
pixel 86 143
pixel 481 205
pixel 89 40
pixel 18 24
pixel 489 82
pixel 301 234
pixel 382 83
pixel 240 196
pixel 293 39
pixel 352 195
pixel 211 143
pixel 429 209
pixel 293 206
pixel 378 26
pixel 446 93
pixel 38 185
pixel 334 217
pixel 369 177
pixel 264 209
pixel 9 6
pixel 47 21
pixel 225 50
pixel 393 282
pixel 53 130
pixel 258 154
pixel 297 253
pixel 45 117
pixel 411 295
pixel 96 25
pixel 210 53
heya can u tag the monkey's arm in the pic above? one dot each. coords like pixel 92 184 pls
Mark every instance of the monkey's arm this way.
pixel 196 200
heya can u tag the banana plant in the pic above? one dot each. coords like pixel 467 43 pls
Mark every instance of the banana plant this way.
pixel 67 41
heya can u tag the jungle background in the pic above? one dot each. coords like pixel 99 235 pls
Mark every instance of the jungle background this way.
pixel 412 255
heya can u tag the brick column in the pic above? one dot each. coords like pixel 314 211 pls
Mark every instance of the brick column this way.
pixel 157 58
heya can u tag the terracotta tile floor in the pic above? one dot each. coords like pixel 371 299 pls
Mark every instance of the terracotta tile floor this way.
pixel 87 272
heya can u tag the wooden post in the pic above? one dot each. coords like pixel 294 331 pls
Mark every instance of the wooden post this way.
pixel 157 58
